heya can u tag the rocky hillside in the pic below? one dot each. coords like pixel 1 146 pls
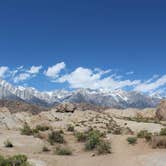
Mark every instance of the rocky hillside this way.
pixel 161 110
pixel 19 106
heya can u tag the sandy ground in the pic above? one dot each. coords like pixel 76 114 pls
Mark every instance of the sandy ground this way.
pixel 138 126
pixel 122 154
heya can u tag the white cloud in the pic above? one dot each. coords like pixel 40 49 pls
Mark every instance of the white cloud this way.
pixel 21 77
pixel 87 78
pixel 53 71
pixel 21 74
pixel 3 71
pixel 130 73
pixel 151 85
pixel 35 69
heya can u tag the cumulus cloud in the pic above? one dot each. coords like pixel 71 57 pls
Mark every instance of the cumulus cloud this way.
pixel 21 74
pixel 3 71
pixel 53 71
pixel 151 84
pixel 34 69
pixel 21 77
pixel 87 78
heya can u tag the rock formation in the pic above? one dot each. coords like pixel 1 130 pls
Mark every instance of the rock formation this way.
pixel 161 111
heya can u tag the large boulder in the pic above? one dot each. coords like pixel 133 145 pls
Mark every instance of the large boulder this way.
pixel 161 111
pixel 65 108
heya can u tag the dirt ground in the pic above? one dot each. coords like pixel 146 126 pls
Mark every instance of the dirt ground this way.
pixel 122 154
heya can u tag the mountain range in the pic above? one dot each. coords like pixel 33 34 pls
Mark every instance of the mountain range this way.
pixel 104 98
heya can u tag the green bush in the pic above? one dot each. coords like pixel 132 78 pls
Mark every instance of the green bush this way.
pixel 17 160
pixel 132 140
pixel 145 134
pixel 93 139
pixel 148 137
pixel 70 128
pixel 42 128
pixel 163 131
pixel 63 151
pixel 95 132
pixel 81 137
pixel 8 144
pixel 142 134
pixel 56 137
pixel 104 147
pixel 26 130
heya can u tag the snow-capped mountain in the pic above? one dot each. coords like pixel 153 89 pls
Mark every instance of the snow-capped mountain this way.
pixel 105 98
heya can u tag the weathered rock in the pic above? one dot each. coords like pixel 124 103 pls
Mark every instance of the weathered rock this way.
pixel 65 108
pixel 161 111
pixel 158 141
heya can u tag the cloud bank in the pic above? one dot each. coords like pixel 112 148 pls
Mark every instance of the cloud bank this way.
pixel 82 77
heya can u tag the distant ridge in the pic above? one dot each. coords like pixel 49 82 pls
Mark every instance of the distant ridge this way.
pixel 114 99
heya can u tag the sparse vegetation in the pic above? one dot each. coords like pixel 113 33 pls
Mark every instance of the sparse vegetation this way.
pixel 145 134
pixel 93 139
pixel 163 131
pixel 56 137
pixel 17 160
pixel 104 147
pixel 8 144
pixel 132 140
pixel 70 128
pixel 26 130
pixel 42 128
pixel 45 149
pixel 148 137
pixel 117 131
pixel 142 133
pixel 63 151
pixel 142 119
pixel 81 137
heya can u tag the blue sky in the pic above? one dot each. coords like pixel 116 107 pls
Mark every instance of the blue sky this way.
pixel 126 37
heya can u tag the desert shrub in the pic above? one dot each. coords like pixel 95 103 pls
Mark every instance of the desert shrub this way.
pixel 61 131
pixel 104 147
pixel 56 137
pixel 70 128
pixel 45 149
pixel 132 140
pixel 142 133
pixel 17 160
pixel 95 132
pixel 117 131
pixel 163 131
pixel 63 151
pixel 8 144
pixel 93 139
pixel 148 137
pixel 109 131
pixel 145 134
pixel 81 137
pixel 42 128
pixel 26 130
